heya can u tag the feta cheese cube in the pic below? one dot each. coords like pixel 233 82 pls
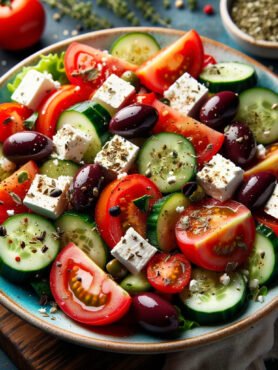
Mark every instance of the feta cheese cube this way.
pixel 133 251
pixel 117 155
pixel 225 279
pixel 220 177
pixel 114 93
pixel 186 95
pixel 271 207
pixel 33 89
pixel 48 196
pixel 71 143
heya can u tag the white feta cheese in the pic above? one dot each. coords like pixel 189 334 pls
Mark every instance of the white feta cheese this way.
pixel 121 175
pixel 260 299
pixel 133 251
pixel 33 89
pixel 225 279
pixel 48 196
pixel 10 212
pixel 253 284
pixel 271 207
pixel 180 209
pixel 261 151
pixel 71 143
pixel 220 177
pixel 186 95
pixel 114 93
pixel 117 155
pixel 6 165
pixel 193 286
pixel 42 310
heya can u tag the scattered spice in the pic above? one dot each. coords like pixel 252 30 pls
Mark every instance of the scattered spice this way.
pixel 3 231
pixel 115 211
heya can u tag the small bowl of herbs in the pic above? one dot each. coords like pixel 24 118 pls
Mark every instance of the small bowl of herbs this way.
pixel 253 24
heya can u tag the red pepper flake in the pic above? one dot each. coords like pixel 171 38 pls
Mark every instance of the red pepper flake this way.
pixel 18 259
pixel 208 9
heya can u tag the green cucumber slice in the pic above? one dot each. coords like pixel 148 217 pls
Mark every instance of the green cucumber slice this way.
pixel 162 220
pixel 30 245
pixel 135 283
pixel 80 230
pixel 169 160
pixel 263 262
pixel 231 76
pixel 135 47
pixel 55 168
pixel 258 108
pixel 214 302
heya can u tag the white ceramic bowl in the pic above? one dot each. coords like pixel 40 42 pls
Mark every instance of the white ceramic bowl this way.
pixel 266 49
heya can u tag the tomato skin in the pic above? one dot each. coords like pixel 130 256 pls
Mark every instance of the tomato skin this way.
pixel 21 24
pixel 12 116
pixel 88 57
pixel 117 303
pixel 228 234
pixel 267 220
pixel 55 104
pixel 269 162
pixel 122 193
pixel 174 272
pixel 162 70
pixel 208 59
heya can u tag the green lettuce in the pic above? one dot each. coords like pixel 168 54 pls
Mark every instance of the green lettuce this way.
pixel 51 63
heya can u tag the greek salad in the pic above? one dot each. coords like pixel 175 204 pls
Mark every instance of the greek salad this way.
pixel 140 181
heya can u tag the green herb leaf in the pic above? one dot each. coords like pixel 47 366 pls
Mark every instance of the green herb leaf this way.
pixel 143 202
pixel 183 323
pixel 30 122
pixel 22 177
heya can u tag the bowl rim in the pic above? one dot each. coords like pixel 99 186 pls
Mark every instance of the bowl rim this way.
pixel 118 346
pixel 230 24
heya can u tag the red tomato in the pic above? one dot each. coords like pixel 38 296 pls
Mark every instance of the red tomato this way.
pixel 267 220
pixel 208 59
pixel 12 116
pixel 169 274
pixel 268 163
pixel 60 100
pixel 122 193
pixel 16 209
pixel 83 291
pixel 206 141
pixel 21 23
pixel 162 70
pixel 211 234
pixel 88 66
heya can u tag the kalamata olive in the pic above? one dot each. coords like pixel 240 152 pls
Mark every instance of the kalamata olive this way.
pixel 256 190
pixel 132 78
pixel 27 145
pixel 193 191
pixel 134 120
pixel 220 109
pixel 154 313
pixel 239 144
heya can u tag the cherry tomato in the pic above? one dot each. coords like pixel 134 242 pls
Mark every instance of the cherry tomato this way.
pixel 162 70
pixel 120 194
pixel 212 234
pixel 169 274
pixel 208 59
pixel 12 116
pixel 21 23
pixel 83 291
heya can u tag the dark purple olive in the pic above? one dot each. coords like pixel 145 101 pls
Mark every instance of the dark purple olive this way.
pixel 134 120
pixel 24 146
pixel 155 314
pixel 189 188
pixel 239 144
pixel 220 109
pixel 256 190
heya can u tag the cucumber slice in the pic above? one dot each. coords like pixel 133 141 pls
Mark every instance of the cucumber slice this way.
pixel 30 245
pixel 80 230
pixel 55 168
pixel 135 47
pixel 258 108
pixel 231 76
pixel 162 221
pixel 87 119
pixel 169 160
pixel 263 262
pixel 214 302
pixel 136 283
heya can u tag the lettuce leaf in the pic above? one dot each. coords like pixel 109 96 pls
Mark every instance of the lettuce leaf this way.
pixel 51 63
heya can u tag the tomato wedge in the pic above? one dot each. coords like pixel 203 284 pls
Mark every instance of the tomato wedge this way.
pixel 60 100
pixel 208 59
pixel 12 116
pixel 84 292
pixel 121 193
pixel 162 70
pixel 268 163
pixel 212 234
pixel 87 66
pixel 169 274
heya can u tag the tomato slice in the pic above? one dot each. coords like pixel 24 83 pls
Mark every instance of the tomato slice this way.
pixel 212 234
pixel 162 70
pixel 12 116
pixel 267 220
pixel 269 162
pixel 60 100
pixel 208 59
pixel 83 291
pixel 122 193
pixel 169 274
pixel 91 67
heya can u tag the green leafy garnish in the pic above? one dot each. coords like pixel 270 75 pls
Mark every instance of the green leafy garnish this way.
pixel 22 177
pixel 29 123
pixel 185 324
pixel 143 202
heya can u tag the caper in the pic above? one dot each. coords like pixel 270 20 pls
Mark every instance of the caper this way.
pixel 116 269
pixel 132 78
